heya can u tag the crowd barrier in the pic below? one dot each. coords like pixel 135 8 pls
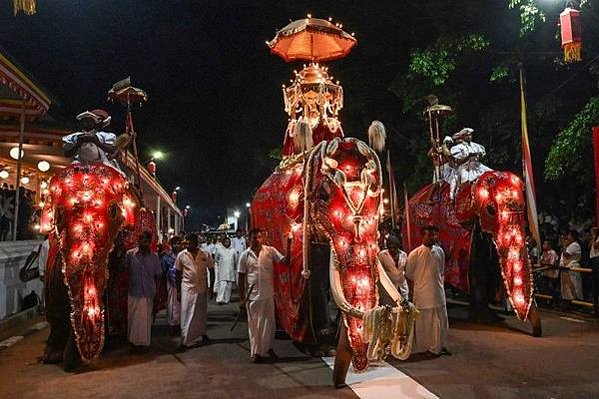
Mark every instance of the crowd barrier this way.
pixel 594 286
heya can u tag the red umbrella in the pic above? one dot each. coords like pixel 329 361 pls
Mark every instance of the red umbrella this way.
pixel 312 39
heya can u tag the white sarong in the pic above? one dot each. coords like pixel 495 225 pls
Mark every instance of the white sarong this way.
pixel 261 325
pixel 173 310
pixel 194 312
pixel 571 284
pixel 430 330
pixel 139 320
pixel 223 291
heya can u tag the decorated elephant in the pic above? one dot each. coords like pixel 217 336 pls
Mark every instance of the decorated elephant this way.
pixel 88 203
pixel 328 200
pixel 486 216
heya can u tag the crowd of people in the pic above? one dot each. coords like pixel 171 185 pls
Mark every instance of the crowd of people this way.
pixel 198 268
pixel 561 264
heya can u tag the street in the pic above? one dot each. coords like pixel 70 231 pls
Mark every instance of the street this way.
pixel 488 361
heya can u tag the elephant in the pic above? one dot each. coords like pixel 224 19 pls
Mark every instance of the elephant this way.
pixel 328 202
pixel 87 206
pixel 486 213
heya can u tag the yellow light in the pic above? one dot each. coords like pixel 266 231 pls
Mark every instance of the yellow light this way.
pixel 14 153
pixel 25 180
pixel 44 185
pixel 43 166
pixel 4 174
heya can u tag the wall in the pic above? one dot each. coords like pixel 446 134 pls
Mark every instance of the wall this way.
pixel 12 290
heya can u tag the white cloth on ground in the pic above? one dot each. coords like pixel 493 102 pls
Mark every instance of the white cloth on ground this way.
pixel 173 310
pixel 139 331
pixel 261 325
pixel 571 282
pixel 194 315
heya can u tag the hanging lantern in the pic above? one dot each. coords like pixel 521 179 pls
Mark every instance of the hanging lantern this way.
pixel 152 168
pixel 185 212
pixel 27 6
pixel 571 31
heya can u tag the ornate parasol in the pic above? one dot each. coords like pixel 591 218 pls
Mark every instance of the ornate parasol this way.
pixel 124 93
pixel 312 39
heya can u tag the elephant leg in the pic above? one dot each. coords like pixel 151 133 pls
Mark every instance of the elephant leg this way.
pixel 535 320
pixel 342 358
pixel 57 314
pixel 72 359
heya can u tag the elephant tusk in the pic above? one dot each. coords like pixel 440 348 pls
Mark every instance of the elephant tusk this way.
pixel 337 291
pixel 388 284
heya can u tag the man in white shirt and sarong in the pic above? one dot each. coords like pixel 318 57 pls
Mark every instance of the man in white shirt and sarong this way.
pixel 256 287
pixel 238 242
pixel 142 267
pixel 571 281
pixel 226 257
pixel 467 155
pixel 424 270
pixel 393 260
pixel 192 266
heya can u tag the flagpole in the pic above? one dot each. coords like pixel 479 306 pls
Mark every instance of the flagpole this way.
pixel 529 182
pixel 407 218
pixel 391 189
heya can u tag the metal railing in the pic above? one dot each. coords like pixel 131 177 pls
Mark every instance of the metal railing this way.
pixel 594 286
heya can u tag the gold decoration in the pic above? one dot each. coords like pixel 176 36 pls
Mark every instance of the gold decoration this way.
pixel 27 6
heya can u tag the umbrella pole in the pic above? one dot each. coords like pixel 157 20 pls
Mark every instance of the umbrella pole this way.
pixel 134 142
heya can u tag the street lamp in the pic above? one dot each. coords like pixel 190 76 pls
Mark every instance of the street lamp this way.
pixel 248 205
pixel 177 188
pixel 14 153
pixel 157 155
pixel 43 166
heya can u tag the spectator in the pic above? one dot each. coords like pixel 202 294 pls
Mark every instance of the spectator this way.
pixel 571 281
pixel 550 258
pixel 594 248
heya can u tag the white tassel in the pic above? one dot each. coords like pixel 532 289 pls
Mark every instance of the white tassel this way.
pixel 377 136
pixel 302 137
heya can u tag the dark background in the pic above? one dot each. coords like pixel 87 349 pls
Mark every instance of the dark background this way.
pixel 215 104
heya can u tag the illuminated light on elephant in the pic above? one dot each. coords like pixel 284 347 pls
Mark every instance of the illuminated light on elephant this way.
pixel 500 204
pixel 329 196
pixel 496 204
pixel 86 208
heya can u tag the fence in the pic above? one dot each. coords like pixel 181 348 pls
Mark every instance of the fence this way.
pixel 594 287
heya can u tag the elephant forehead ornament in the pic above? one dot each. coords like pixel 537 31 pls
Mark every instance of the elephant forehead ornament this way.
pixel 347 212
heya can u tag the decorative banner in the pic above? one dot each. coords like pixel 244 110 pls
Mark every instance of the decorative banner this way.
pixel 529 181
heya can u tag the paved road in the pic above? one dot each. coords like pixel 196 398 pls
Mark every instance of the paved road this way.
pixel 489 361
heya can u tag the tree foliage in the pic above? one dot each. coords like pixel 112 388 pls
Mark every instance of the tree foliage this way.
pixel 570 155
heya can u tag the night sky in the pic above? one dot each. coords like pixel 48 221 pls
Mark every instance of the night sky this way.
pixel 215 91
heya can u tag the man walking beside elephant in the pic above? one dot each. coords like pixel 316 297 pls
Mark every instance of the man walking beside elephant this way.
pixel 424 270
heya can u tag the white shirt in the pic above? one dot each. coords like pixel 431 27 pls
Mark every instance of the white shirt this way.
pixel 259 271
pixel 42 257
pixel 397 273
pixel 425 268
pixel 239 243
pixel 594 252
pixel 226 259
pixel 472 169
pixel 575 253
pixel 194 270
